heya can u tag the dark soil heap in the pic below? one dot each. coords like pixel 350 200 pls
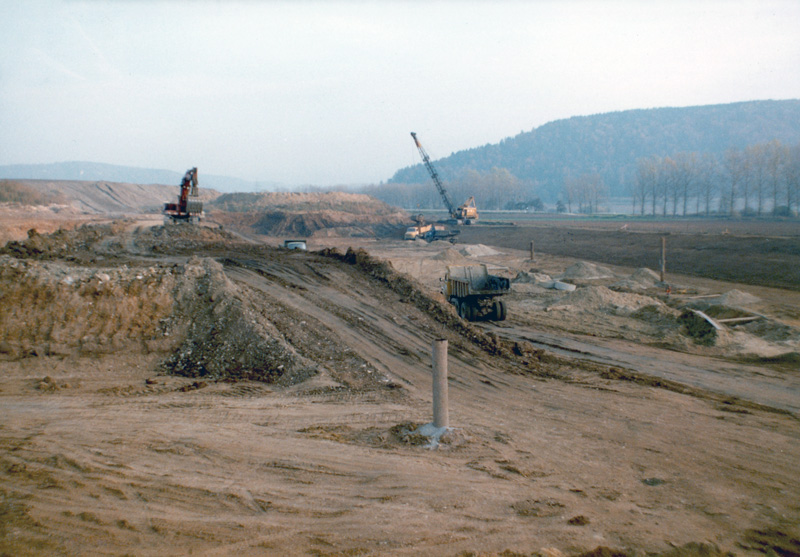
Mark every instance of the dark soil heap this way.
pixel 309 214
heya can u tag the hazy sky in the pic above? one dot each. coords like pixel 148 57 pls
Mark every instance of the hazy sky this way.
pixel 327 92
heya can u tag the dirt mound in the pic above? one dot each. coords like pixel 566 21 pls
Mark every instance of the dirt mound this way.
pixel 15 191
pixel 641 279
pixel 97 242
pixel 532 277
pixel 354 203
pixel 54 308
pixel 736 299
pixel 584 270
pixel 211 326
pixel 331 214
pixel 107 197
pixel 328 224
pixel 478 250
pixel 225 335
pixel 450 255
pixel 600 298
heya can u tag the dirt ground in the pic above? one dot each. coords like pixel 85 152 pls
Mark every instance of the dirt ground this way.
pixel 192 390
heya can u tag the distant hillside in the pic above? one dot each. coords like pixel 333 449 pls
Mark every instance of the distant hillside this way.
pixel 94 171
pixel 610 144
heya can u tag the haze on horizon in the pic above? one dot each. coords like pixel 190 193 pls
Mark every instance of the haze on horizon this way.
pixel 325 93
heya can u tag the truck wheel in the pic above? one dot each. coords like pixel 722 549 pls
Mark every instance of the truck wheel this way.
pixel 472 312
pixel 499 310
pixel 462 309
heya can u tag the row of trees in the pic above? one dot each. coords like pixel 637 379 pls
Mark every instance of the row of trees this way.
pixel 585 193
pixel 760 179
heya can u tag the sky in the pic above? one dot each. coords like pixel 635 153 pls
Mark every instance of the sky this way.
pixel 327 92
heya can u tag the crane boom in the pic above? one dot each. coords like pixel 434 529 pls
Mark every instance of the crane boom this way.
pixel 435 176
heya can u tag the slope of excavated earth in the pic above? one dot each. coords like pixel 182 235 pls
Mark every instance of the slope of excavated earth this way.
pixel 175 390
pixel 306 215
pixel 109 197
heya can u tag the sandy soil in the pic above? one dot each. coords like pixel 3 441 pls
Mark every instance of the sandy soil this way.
pixel 121 435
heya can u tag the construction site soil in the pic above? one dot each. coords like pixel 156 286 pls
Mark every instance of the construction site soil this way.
pixel 199 389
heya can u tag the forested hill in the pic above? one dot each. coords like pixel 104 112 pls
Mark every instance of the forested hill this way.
pixel 610 144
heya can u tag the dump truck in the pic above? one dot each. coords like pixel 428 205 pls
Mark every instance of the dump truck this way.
pixel 475 292
pixel 431 232
pixel 414 232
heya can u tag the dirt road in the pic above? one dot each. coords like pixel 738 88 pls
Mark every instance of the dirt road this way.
pixel 747 382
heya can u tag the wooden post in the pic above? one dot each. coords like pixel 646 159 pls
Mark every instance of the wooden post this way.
pixel 440 410
pixel 663 257
pixel 531 250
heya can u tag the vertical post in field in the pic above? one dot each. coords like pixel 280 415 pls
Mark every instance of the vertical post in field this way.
pixel 531 250
pixel 663 257
pixel 440 409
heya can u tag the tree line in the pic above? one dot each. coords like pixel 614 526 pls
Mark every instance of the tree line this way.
pixel 756 180
pixel 760 179
pixel 495 189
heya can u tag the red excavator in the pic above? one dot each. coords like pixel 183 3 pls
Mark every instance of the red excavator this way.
pixel 189 208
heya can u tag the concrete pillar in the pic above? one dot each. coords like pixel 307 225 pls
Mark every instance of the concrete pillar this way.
pixel 440 409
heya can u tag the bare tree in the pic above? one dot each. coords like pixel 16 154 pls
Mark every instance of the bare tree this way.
pixel 756 166
pixel 667 178
pixel 646 178
pixel 792 177
pixel 706 181
pixel 776 158
pixel 734 169
pixel 684 177
pixel 570 192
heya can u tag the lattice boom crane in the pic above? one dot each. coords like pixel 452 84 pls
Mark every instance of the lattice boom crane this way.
pixel 465 213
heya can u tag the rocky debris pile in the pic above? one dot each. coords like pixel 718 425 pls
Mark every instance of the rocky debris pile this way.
pixel 78 243
pixel 210 327
pixel 584 270
pixel 96 242
pixel 183 237
pixel 224 334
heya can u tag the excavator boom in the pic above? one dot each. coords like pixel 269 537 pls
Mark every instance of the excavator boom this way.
pixel 189 207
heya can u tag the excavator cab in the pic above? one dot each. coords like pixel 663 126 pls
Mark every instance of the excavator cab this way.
pixel 468 212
